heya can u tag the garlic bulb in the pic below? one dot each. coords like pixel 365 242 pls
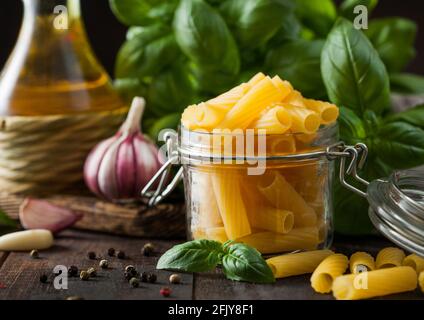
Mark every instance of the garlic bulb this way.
pixel 119 167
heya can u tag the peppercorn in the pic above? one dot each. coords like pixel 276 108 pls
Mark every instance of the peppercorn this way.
pixel 72 271
pixel 43 278
pixel 92 272
pixel 103 264
pixel 74 298
pixel 134 282
pixel 111 252
pixel 120 254
pixel 34 254
pixel 129 268
pixel 143 277
pixel 175 278
pixel 166 292
pixel 91 255
pixel 151 277
pixel 148 249
pixel 84 275
pixel 130 273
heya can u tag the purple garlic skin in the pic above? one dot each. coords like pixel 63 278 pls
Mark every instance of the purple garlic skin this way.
pixel 119 167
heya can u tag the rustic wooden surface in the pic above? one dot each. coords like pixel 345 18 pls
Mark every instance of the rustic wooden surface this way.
pixel 130 220
pixel 19 274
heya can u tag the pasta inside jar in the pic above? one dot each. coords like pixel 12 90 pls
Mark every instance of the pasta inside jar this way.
pixel 286 207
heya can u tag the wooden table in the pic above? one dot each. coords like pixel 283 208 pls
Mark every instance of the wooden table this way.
pixel 19 274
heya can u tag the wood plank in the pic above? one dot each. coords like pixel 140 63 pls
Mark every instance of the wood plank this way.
pixel 130 219
pixel 20 273
pixel 214 286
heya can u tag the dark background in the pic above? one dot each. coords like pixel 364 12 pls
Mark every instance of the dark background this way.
pixel 107 34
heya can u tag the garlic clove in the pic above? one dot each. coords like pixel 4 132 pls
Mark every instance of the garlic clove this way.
pixel 26 240
pixel 40 214
pixel 146 159
pixel 126 171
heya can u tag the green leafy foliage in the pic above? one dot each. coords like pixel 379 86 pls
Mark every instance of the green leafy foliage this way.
pixel 347 7
pixel 394 39
pixel 413 116
pixel 239 261
pixel 407 83
pixel 353 73
pixel 317 15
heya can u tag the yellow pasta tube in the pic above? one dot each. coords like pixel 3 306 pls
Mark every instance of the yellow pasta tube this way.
pixel 261 96
pixel 389 258
pixel 281 144
pixel 294 264
pixel 207 116
pixel 256 79
pixel 276 120
pixel 329 269
pixel 277 220
pixel 295 98
pixel 360 262
pixel 414 261
pixel 217 234
pixel 421 281
pixel 303 119
pixel 328 112
pixel 227 100
pixel 271 242
pixel 188 118
pixel 227 191
pixel 275 188
pixel 375 283
pixel 283 85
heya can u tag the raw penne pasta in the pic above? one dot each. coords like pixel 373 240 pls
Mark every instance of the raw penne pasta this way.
pixel 271 242
pixel 281 144
pixel 389 258
pixel 284 86
pixel 305 220
pixel 261 96
pixel 328 112
pixel 217 234
pixel 256 79
pixel 415 262
pixel 226 101
pixel 275 188
pixel 275 120
pixel 421 281
pixel 295 98
pixel 360 262
pixel 272 219
pixel 294 264
pixel 226 187
pixel 303 119
pixel 329 269
pixel 208 116
pixel 375 283
pixel 188 118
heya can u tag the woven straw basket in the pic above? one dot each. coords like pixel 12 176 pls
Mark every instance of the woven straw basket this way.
pixel 44 155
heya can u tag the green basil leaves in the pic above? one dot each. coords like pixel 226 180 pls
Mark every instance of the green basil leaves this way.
pixel 239 262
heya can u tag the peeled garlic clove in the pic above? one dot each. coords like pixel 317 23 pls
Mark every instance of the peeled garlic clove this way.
pixel 26 240
pixel 41 214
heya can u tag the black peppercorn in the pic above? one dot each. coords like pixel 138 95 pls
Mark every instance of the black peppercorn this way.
pixel 43 278
pixel 104 264
pixel 151 277
pixel 72 271
pixel 91 255
pixel 128 276
pixel 143 277
pixel 111 252
pixel 92 272
pixel 134 282
pixel 84 275
pixel 148 249
pixel 129 268
pixel 120 254
pixel 34 254
pixel 130 273
pixel 175 278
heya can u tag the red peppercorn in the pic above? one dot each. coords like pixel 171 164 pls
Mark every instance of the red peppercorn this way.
pixel 166 292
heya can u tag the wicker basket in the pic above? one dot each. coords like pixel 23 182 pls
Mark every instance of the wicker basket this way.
pixel 44 155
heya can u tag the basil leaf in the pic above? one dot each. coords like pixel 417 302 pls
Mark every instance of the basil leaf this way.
pixel 142 12
pixel 244 263
pixel 203 36
pixel 318 15
pixel 347 7
pixel 146 53
pixel 128 88
pixel 299 62
pixel 170 121
pixel 352 128
pixel 394 40
pixel 171 91
pixel 400 144
pixel 254 22
pixel 407 83
pixel 193 256
pixel 353 73
pixel 290 30
pixel 210 80
pixel 414 116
